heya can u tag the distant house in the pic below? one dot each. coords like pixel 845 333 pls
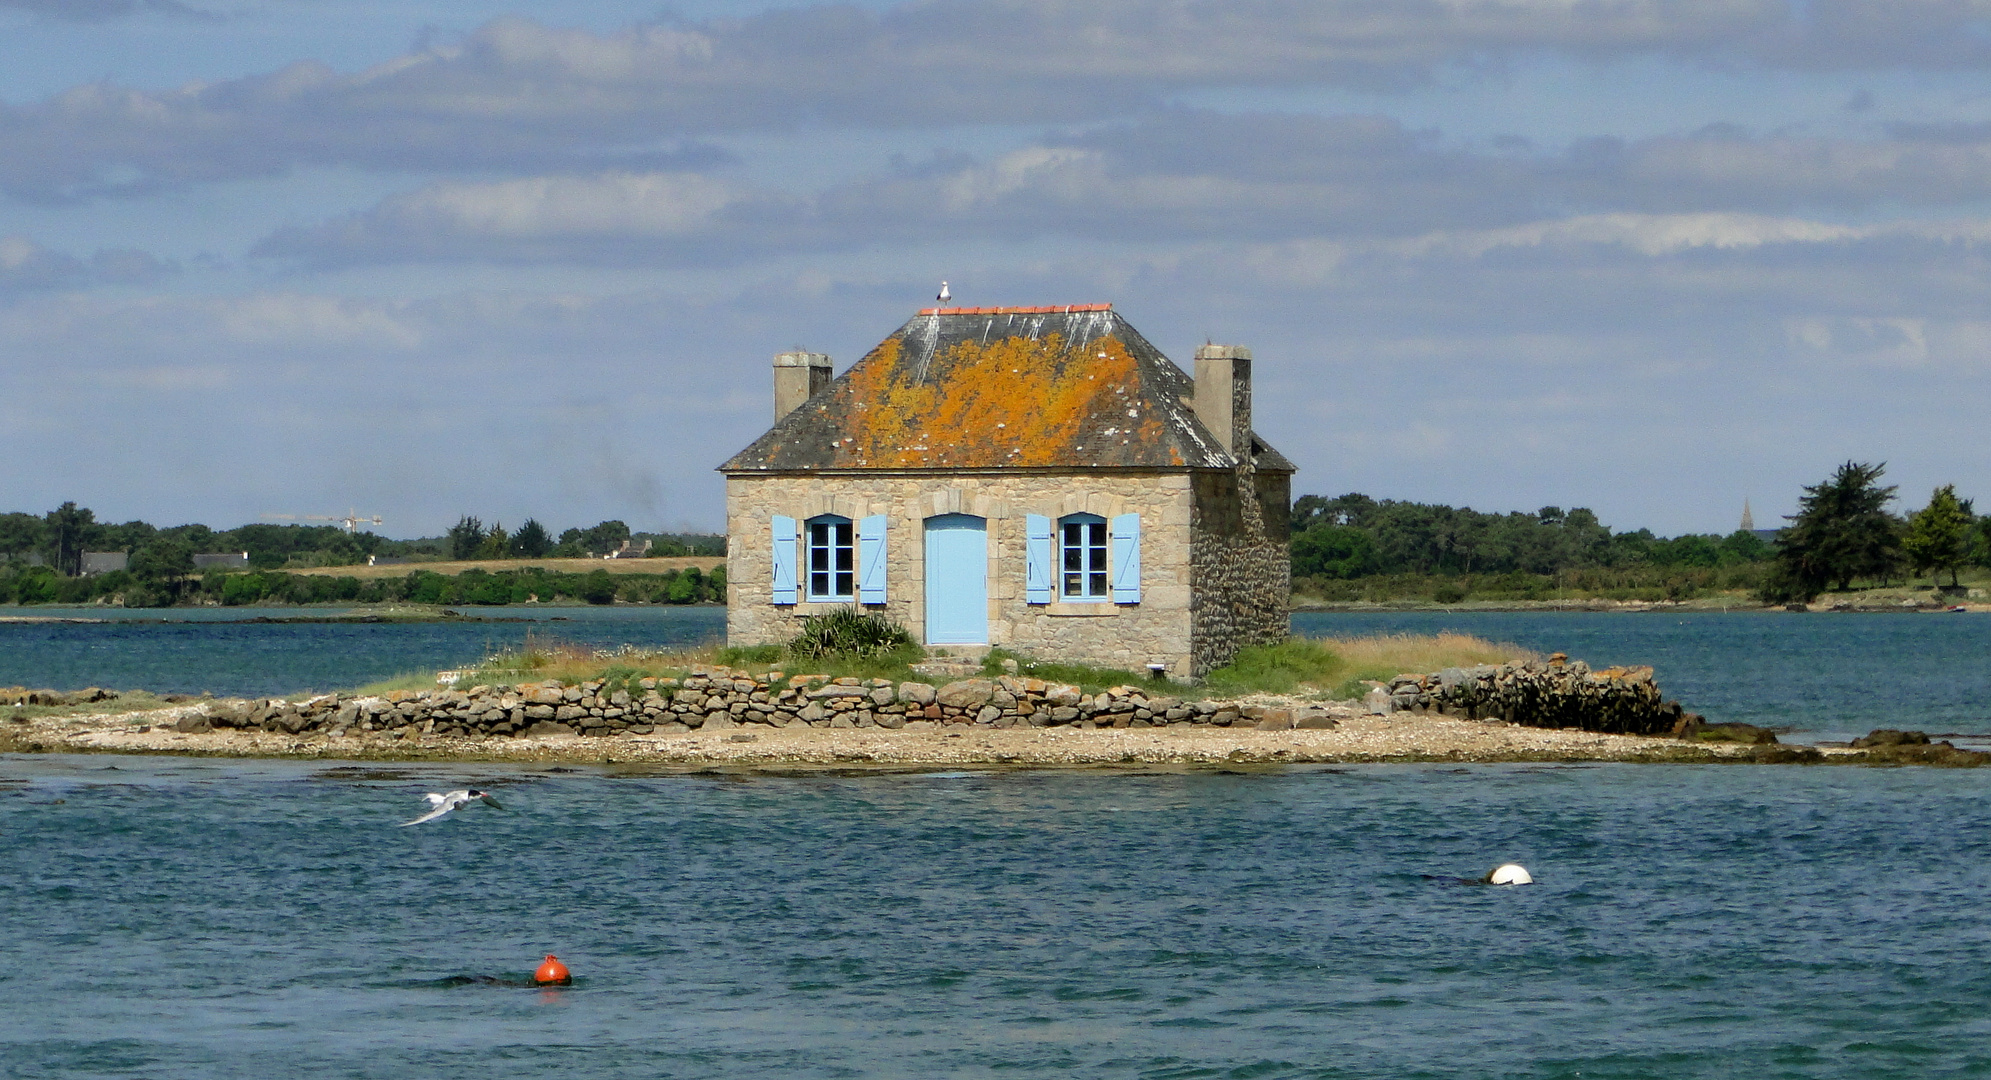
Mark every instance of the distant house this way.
pixel 223 560
pixel 1040 478
pixel 386 560
pixel 104 562
pixel 629 550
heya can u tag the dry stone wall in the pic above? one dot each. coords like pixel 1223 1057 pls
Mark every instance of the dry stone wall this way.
pixel 1556 694
pixel 721 699
pixel 21 695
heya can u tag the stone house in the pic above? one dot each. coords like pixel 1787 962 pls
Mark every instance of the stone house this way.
pixel 1037 478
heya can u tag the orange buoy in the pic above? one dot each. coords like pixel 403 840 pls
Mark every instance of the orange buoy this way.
pixel 552 971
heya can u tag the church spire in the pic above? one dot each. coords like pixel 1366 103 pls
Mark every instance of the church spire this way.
pixel 1748 519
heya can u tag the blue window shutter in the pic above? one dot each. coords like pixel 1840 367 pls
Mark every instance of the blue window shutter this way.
pixel 784 559
pixel 1036 559
pixel 871 559
pixel 1126 556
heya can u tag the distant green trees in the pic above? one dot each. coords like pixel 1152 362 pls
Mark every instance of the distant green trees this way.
pixel 41 585
pixel 531 541
pixel 1354 536
pixel 68 526
pixel 1939 535
pixel 1353 547
pixel 599 539
pixel 1334 551
pixel 465 537
pixel 60 537
pixel 1843 532
pixel 19 534
pixel 163 561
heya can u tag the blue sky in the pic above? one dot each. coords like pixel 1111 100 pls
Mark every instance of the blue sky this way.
pixel 424 259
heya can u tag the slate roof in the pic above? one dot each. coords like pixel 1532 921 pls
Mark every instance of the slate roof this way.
pixel 993 388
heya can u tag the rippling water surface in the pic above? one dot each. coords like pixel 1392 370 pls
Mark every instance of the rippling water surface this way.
pixel 187 918
pixel 225 651
pixel 1823 676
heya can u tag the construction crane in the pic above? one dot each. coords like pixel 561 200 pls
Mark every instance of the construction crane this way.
pixel 350 521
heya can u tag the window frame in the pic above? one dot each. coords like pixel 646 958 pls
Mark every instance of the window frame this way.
pixel 1093 546
pixel 838 552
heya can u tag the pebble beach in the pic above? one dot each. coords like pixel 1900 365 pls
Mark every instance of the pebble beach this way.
pixel 1357 737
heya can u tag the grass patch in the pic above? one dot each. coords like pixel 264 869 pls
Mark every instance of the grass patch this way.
pixel 1084 676
pixel 1334 668
pixel 413 680
pixel 1340 668
pixel 846 647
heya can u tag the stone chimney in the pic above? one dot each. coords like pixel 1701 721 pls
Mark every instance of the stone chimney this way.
pixel 798 376
pixel 1223 396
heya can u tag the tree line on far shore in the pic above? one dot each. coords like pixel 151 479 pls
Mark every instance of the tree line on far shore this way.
pixel 470 538
pixel 144 587
pixel 41 561
pixel 1357 548
pixel 59 538
pixel 1351 547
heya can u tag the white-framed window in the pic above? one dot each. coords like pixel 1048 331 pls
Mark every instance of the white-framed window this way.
pixel 832 559
pixel 1082 557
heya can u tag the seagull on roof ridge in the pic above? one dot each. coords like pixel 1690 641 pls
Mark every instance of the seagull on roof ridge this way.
pixel 944 294
pixel 443 804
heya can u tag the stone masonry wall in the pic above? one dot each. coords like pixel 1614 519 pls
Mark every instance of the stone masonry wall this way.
pixel 1242 573
pixel 1156 630
pixel 719 699
pixel 1557 694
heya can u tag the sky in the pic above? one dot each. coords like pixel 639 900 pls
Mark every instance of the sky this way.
pixel 431 258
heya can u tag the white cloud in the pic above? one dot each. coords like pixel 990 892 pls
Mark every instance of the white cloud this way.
pixel 1188 176
pixel 517 95
pixel 1647 234
pixel 612 218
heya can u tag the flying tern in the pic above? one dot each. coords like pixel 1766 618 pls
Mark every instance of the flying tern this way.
pixel 443 804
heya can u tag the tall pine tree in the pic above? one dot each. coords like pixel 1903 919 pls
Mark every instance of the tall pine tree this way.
pixel 1842 531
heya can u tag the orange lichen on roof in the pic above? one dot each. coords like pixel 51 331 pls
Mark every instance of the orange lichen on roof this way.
pixel 1050 309
pixel 1012 402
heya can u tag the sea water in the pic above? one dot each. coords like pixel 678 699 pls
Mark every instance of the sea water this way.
pixel 275 651
pixel 170 918
pixel 1816 676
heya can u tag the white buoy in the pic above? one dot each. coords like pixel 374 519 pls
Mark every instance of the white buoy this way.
pixel 1510 874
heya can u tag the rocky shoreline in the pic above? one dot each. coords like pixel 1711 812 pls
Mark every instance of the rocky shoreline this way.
pixel 1357 736
pixel 1258 731
pixel 1556 694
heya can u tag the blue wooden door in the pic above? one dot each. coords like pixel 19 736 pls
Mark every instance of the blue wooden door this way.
pixel 957 580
